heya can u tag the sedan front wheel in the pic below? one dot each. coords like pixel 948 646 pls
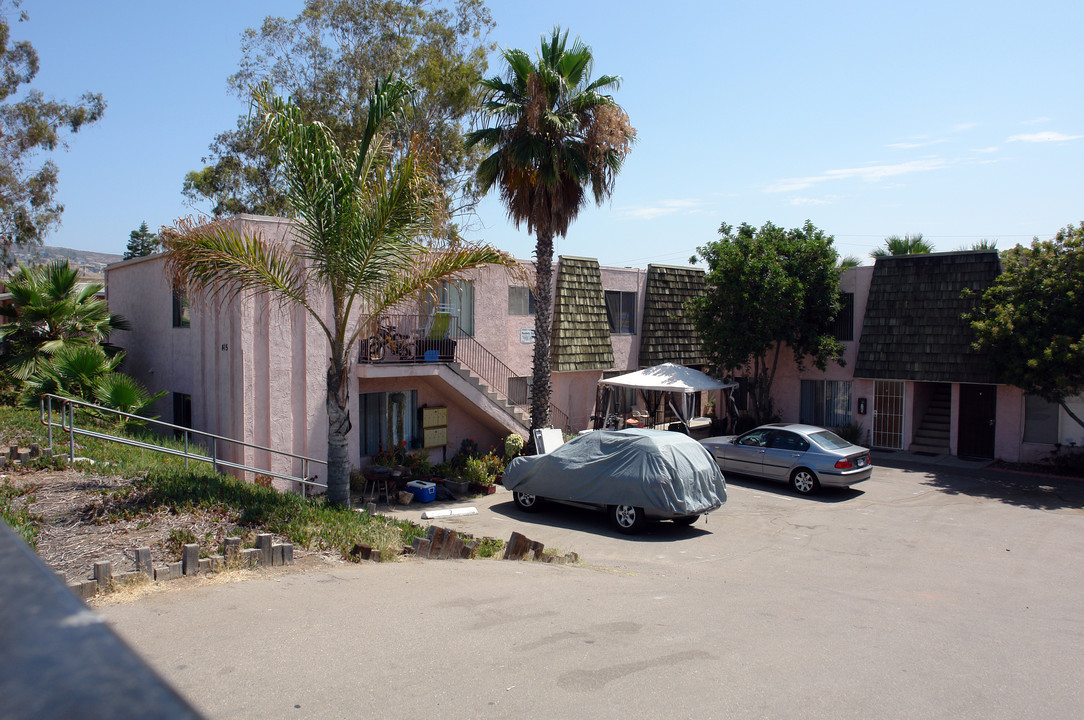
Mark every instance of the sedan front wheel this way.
pixel 628 519
pixel 804 481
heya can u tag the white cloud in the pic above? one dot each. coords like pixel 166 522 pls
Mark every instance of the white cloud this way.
pixel 986 150
pixel 1045 136
pixel 960 127
pixel 869 173
pixel 685 206
pixel 807 201
pixel 1036 121
pixel 917 143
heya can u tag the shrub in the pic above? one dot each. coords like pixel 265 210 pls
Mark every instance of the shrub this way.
pixel 851 432
pixel 475 471
pixel 513 446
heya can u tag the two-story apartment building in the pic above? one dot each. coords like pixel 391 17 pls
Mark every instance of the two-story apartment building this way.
pixel 252 371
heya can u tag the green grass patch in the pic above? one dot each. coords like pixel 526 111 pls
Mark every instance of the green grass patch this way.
pixel 162 481
pixel 306 522
pixel 21 520
pixel 489 547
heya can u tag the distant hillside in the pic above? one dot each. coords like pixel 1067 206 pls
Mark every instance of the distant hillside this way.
pixel 92 263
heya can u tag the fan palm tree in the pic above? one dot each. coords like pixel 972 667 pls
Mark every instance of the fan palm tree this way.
pixel 51 310
pixel 86 372
pixel 555 133
pixel 906 245
pixel 367 218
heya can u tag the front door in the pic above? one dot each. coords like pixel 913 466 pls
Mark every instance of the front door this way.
pixel 887 414
pixel 975 427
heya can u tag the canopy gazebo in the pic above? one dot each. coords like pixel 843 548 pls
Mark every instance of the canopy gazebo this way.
pixel 678 382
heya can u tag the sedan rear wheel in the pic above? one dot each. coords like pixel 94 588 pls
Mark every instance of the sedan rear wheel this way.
pixel 526 502
pixel 628 519
pixel 804 481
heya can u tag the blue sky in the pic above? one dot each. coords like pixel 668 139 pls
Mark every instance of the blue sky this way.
pixel 959 120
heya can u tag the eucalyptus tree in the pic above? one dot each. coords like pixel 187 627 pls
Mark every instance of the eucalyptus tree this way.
pixel 31 123
pixel 555 136
pixel 326 59
pixel 369 218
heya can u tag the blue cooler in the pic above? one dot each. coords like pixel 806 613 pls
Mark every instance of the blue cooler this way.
pixel 423 491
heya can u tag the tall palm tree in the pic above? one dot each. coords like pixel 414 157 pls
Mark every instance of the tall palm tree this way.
pixel 368 216
pixel 906 245
pixel 555 133
pixel 51 310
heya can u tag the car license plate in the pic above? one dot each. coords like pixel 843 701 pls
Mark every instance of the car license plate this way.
pixel 860 462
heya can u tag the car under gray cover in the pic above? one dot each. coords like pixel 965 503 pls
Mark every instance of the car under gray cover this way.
pixel 667 474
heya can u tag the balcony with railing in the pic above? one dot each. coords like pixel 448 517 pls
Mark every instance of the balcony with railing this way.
pixel 438 338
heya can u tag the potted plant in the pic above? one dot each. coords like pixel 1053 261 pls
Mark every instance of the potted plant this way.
pixel 476 472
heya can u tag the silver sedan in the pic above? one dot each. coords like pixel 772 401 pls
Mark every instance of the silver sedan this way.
pixel 806 456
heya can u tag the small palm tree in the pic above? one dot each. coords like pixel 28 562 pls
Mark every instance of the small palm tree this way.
pixel 51 310
pixel 86 372
pixel 367 218
pixel 555 134
pixel 906 245
pixel 849 261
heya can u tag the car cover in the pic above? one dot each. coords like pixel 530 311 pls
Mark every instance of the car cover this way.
pixel 667 471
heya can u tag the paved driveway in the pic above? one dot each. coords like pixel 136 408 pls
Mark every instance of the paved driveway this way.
pixel 913 595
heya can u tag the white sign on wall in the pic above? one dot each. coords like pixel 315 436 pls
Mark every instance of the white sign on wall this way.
pixel 526 335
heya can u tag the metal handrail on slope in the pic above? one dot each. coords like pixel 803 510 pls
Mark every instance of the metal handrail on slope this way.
pixel 67 425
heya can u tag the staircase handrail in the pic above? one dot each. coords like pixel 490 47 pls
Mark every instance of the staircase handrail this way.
pixel 67 425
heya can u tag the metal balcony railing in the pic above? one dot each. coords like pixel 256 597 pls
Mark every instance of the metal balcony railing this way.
pixel 417 339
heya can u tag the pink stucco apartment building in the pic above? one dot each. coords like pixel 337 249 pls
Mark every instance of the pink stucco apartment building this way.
pixel 254 372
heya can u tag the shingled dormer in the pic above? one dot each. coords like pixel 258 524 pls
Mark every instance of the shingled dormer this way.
pixel 912 328
pixel 668 334
pixel 581 333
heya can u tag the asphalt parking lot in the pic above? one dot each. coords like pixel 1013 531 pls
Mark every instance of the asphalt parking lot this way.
pixel 922 593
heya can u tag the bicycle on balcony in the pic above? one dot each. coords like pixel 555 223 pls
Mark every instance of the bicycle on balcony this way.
pixel 387 340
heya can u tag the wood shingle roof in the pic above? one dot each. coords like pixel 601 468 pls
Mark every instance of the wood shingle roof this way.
pixel 581 333
pixel 912 328
pixel 667 333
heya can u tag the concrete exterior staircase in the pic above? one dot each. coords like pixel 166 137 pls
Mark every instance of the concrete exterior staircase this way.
pixel 513 410
pixel 932 435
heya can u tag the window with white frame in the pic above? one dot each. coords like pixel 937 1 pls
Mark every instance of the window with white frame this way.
pixel 1040 420
pixel 826 403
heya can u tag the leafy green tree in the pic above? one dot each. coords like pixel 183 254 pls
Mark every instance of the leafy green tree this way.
pixel 326 59
pixel 368 218
pixel 86 372
pixel 555 134
pixel 764 289
pixel 906 245
pixel 1030 322
pixel 51 310
pixel 30 123
pixel 141 242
